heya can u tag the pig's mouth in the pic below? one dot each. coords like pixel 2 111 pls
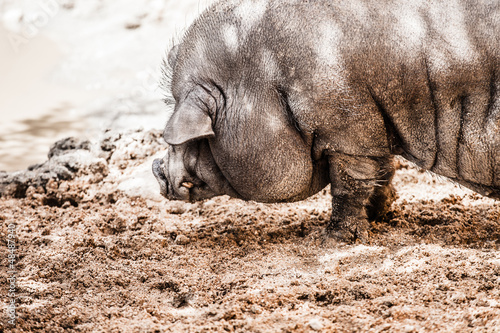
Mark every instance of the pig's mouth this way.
pixel 187 190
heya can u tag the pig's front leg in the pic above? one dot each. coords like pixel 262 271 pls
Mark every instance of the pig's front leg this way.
pixel 360 189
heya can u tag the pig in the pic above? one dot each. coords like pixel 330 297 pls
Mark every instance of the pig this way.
pixel 276 99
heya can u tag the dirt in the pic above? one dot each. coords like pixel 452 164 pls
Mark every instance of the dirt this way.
pixel 99 251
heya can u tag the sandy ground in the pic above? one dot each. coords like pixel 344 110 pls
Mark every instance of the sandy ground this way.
pixel 101 251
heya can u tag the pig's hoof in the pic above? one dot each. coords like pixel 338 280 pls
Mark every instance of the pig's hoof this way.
pixel 381 201
pixel 349 230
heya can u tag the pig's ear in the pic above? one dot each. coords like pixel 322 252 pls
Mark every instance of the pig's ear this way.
pixel 188 123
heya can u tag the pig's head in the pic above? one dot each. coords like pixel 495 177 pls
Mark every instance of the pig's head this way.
pixel 233 130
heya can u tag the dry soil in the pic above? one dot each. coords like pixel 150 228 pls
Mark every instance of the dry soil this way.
pixel 99 252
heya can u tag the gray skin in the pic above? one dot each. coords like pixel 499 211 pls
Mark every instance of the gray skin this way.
pixel 274 100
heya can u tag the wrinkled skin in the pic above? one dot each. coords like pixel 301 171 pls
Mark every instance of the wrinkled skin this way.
pixel 276 99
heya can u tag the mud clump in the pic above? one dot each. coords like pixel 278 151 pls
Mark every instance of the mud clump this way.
pixel 67 159
pixel 98 251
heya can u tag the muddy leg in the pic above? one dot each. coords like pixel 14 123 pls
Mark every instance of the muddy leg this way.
pixel 356 191
pixel 383 195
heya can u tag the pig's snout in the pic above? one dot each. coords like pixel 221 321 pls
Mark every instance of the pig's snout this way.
pixel 173 187
pixel 158 166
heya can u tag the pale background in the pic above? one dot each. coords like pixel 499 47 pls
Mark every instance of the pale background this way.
pixel 77 67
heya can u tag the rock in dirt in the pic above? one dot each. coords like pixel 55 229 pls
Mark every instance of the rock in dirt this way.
pixel 182 240
pixel 315 324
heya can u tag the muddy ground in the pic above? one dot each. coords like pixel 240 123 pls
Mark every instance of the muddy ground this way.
pixel 98 250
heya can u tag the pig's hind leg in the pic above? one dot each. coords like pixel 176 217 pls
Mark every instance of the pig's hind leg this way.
pixel 361 190
pixel 383 194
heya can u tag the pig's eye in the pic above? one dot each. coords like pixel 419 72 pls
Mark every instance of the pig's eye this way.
pixel 215 98
pixel 220 95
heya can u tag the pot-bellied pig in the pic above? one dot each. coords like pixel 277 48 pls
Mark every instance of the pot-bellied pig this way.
pixel 275 99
